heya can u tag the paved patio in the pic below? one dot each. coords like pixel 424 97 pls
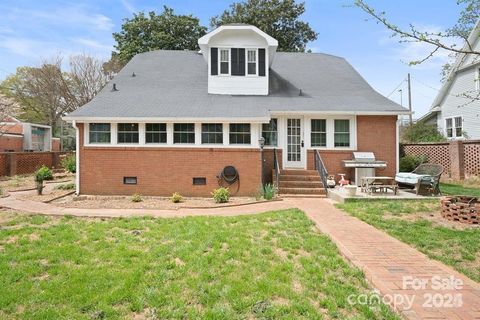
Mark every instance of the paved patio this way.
pixel 385 260
pixel 341 195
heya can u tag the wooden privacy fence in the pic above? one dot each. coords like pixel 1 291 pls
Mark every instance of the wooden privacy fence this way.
pixel 459 158
pixel 13 163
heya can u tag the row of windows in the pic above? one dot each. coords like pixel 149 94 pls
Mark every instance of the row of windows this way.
pixel 212 133
pixel 182 133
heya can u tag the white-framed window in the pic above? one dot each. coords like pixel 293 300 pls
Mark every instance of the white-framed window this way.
pixel 127 133
pixel 155 133
pixel 454 127
pixel 318 133
pixel 342 133
pixel 252 61
pixel 224 61
pixel 212 133
pixel 449 127
pixel 183 133
pixel 458 126
pixel 240 133
pixel 99 133
pixel 270 133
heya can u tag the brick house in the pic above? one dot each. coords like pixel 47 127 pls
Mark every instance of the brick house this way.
pixel 172 120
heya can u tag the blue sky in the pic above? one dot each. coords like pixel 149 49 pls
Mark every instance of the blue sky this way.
pixel 32 30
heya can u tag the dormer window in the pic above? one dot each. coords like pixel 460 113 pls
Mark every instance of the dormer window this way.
pixel 252 61
pixel 224 61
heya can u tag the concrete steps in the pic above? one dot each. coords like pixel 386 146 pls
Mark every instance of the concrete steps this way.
pixel 300 183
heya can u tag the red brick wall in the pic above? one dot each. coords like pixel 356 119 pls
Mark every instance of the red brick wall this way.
pixel 8 142
pixel 162 171
pixel 374 133
pixel 16 128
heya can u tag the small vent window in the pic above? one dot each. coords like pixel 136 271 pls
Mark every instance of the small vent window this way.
pixel 129 180
pixel 199 181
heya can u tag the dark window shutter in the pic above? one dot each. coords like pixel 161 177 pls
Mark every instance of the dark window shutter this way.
pixel 261 62
pixel 214 61
pixel 238 62
pixel 241 62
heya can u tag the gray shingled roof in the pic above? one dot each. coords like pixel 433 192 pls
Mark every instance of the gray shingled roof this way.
pixel 174 84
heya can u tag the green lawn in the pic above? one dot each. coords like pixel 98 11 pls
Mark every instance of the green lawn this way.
pixel 419 224
pixel 456 189
pixel 274 265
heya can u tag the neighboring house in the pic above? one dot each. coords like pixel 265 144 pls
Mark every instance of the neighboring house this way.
pixel 172 120
pixel 17 136
pixel 456 108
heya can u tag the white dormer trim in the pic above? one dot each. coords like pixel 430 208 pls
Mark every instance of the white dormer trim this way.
pixel 272 42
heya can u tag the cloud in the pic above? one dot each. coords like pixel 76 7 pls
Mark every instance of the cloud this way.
pixel 129 6
pixel 92 44
pixel 416 51
pixel 73 16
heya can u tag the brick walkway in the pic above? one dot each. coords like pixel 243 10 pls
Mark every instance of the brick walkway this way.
pixel 384 260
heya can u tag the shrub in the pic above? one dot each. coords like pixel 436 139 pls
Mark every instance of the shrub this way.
pixel 136 197
pixel 221 195
pixel 176 197
pixel 421 132
pixel 44 173
pixel 69 163
pixel 66 186
pixel 269 191
pixel 409 163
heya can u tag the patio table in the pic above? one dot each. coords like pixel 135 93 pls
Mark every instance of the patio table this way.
pixel 383 184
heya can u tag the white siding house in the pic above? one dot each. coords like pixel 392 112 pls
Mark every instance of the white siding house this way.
pixel 456 109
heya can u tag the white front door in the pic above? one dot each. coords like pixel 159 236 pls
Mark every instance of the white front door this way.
pixel 295 149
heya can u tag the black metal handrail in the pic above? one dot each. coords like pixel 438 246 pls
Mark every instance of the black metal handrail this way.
pixel 276 166
pixel 322 170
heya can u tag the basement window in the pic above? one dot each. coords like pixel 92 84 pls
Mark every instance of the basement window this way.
pixel 199 181
pixel 129 180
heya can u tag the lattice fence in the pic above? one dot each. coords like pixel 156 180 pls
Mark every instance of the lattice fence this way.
pixel 437 153
pixel 472 157
pixel 3 165
pixel 30 162
pixel 27 162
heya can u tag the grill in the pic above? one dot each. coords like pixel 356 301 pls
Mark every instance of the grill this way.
pixel 364 164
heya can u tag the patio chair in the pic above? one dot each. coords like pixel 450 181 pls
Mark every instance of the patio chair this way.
pixel 425 179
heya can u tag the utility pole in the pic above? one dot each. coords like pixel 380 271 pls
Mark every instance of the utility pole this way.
pixel 410 116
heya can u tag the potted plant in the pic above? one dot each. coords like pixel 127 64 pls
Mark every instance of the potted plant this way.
pixel 42 174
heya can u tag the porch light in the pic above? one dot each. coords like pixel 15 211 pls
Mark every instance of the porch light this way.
pixel 261 142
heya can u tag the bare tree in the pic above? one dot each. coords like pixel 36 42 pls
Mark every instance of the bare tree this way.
pixel 47 92
pixel 438 40
pixel 87 77
pixel 8 108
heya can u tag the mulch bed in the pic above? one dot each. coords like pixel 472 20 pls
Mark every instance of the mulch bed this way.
pixel 124 202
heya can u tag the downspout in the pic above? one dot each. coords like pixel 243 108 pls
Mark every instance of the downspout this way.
pixel 397 149
pixel 77 158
